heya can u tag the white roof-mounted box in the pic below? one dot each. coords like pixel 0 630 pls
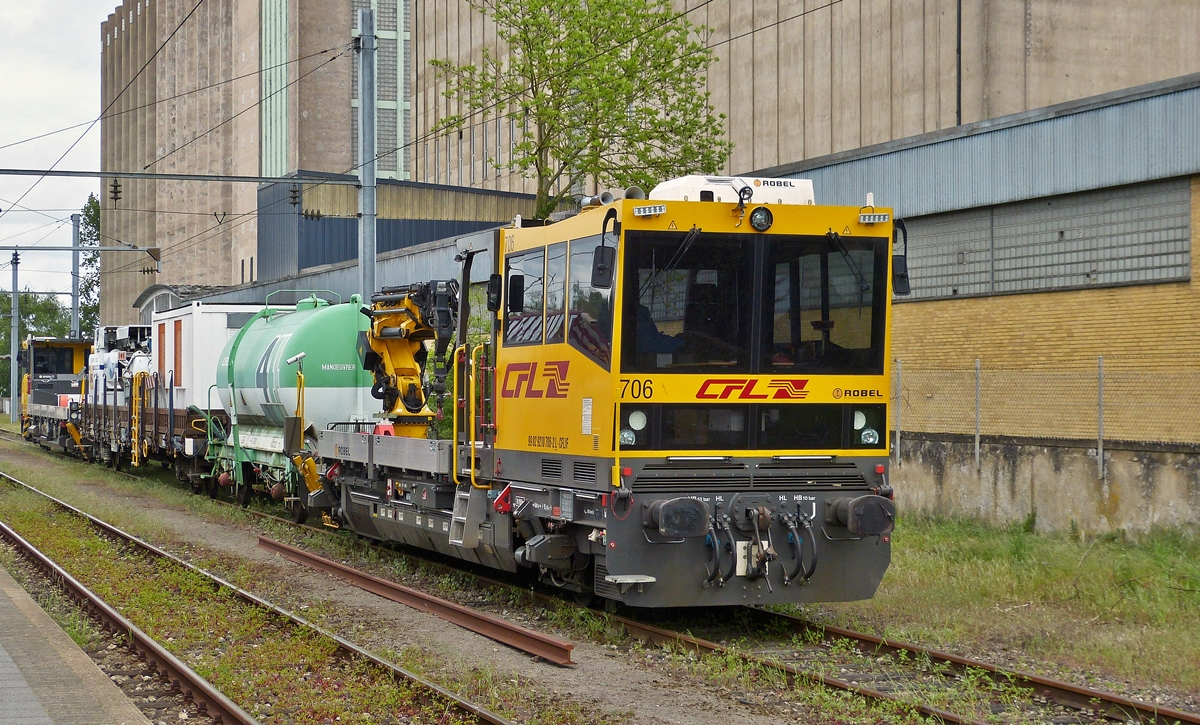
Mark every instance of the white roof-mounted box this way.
pixel 726 189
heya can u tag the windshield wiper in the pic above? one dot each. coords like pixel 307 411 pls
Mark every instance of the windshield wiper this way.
pixel 676 258
pixel 839 245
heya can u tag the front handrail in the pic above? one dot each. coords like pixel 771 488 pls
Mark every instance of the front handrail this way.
pixel 472 366
pixel 454 414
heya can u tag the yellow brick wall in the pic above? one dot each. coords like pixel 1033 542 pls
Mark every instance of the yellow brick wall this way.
pixel 1141 326
pixel 1038 353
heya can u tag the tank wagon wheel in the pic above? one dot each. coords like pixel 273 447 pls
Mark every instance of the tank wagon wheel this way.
pixel 211 487
pixel 244 495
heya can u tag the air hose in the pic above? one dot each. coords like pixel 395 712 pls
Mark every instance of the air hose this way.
pixel 712 568
pixel 801 572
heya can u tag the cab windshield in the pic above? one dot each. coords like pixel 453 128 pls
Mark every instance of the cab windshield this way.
pixel 696 302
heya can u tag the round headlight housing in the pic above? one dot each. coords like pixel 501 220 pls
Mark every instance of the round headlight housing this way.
pixel 628 437
pixel 761 218
pixel 637 420
pixel 860 420
pixel 869 437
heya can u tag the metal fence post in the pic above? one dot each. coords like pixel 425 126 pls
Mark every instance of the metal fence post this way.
pixel 1100 415
pixel 899 397
pixel 978 466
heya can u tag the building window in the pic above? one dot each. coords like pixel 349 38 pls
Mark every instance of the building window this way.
pixel 485 163
pixel 243 271
pixel 1116 236
pixel 252 269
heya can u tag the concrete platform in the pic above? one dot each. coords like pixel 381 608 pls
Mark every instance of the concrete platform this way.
pixel 45 678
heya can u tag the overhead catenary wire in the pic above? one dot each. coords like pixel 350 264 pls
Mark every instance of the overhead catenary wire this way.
pixel 199 237
pixel 177 96
pixel 259 102
pixel 110 103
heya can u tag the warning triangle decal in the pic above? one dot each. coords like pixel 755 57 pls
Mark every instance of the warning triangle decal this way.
pixel 672 225
pixel 846 231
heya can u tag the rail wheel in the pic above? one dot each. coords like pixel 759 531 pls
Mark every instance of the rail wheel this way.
pixel 211 487
pixel 300 509
pixel 244 495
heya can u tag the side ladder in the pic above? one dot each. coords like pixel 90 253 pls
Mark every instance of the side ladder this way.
pixel 470 510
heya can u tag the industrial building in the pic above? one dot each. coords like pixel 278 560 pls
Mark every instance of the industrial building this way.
pixel 229 87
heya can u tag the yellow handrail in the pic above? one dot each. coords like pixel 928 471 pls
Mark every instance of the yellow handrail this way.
pixel 472 366
pixel 454 416
pixel 135 421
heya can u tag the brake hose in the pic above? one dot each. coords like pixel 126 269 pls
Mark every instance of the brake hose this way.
pixel 801 572
pixel 714 558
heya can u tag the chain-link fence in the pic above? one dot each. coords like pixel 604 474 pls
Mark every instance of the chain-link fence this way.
pixel 1096 403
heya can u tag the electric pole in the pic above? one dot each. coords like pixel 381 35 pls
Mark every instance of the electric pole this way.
pixel 366 153
pixel 75 275
pixel 13 397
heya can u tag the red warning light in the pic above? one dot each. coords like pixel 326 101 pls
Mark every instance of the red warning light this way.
pixel 879 468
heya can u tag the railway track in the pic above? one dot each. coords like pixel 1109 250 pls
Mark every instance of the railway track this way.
pixel 209 699
pixel 867 665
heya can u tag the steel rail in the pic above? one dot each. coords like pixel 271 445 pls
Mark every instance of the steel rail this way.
pixel 349 647
pixel 1106 704
pixel 195 688
pixel 657 635
pixel 548 648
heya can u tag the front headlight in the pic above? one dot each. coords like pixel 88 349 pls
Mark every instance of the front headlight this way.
pixel 761 219
pixel 628 437
pixel 637 420
pixel 860 420
pixel 870 437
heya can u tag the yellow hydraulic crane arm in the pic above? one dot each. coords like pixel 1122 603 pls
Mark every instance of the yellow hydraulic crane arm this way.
pixel 403 319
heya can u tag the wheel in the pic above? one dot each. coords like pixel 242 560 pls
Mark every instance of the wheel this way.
pixel 300 509
pixel 211 487
pixel 244 495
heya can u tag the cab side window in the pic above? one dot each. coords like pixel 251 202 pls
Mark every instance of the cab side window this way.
pixel 590 312
pixel 556 292
pixel 524 279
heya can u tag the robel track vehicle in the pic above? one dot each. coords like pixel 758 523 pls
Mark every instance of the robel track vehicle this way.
pixel 679 400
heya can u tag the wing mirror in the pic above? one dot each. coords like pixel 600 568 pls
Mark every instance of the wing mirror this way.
pixel 494 287
pixel 900 282
pixel 604 259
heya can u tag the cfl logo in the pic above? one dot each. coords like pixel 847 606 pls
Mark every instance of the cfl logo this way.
pixel 520 379
pixel 745 389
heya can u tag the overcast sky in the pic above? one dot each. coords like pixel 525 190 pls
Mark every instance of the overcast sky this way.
pixel 49 79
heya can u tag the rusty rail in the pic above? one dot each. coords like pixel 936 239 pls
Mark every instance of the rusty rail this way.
pixel 1106 704
pixel 345 645
pixel 208 699
pixel 548 648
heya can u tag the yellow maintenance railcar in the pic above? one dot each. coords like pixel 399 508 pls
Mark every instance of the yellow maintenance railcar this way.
pixel 678 400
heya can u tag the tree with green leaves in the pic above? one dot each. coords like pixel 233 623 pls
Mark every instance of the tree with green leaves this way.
pixel 41 315
pixel 606 90
pixel 89 267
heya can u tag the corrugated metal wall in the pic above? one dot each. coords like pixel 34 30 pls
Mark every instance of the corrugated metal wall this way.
pixel 1125 235
pixel 278 230
pixel 429 261
pixel 1042 153
pixel 323 228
